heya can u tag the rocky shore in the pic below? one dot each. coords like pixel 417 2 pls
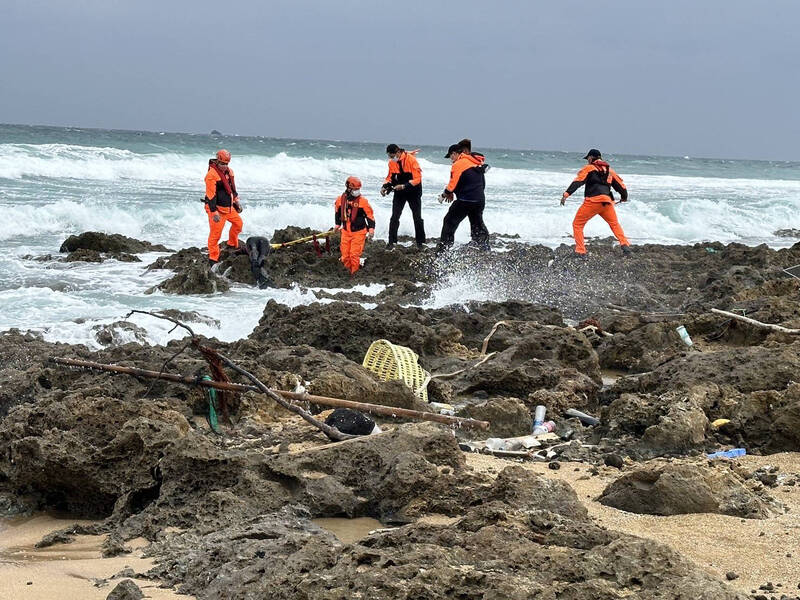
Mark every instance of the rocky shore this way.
pixel 233 515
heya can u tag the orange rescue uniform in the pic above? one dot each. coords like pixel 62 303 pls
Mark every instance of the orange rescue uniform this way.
pixel 221 199
pixel 355 217
pixel 599 178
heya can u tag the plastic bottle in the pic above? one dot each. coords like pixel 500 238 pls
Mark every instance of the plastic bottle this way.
pixel 684 335
pixel 546 427
pixel 733 453
pixel 538 415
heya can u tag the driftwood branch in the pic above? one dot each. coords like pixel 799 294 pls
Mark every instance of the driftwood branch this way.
pixel 376 409
pixel 331 432
pixel 484 358
pixel 214 358
pixel 174 355
pixel 771 326
pixel 165 318
pixel 454 373
pixel 489 337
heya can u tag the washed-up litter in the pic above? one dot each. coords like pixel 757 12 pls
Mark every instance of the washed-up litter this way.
pixel 733 453
pixel 719 423
pixel 352 422
pixel 442 408
pixel 582 416
pixel 519 454
pixel 538 415
pixel 518 443
pixel 391 361
pixel 526 447
pixel 684 335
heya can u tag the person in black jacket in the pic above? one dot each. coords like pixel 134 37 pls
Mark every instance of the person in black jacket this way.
pixel 467 184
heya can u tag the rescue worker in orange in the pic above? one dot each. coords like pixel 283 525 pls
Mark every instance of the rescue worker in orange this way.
pixel 467 184
pixel 405 180
pixel 599 179
pixel 222 204
pixel 355 219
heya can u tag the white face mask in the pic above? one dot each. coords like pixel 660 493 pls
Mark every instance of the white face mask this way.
pixel 396 159
pixel 355 193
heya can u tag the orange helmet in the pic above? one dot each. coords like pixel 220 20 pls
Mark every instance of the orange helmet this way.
pixel 223 156
pixel 353 183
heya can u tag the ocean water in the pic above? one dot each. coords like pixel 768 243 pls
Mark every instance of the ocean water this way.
pixel 56 181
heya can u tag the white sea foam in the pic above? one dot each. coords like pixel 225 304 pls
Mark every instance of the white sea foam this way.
pixel 156 195
pixel 56 189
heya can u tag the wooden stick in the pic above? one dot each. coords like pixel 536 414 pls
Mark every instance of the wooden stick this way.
pixel 331 432
pixel 376 409
pixel 731 315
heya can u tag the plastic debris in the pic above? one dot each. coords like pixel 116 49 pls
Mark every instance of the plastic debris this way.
pixel 442 408
pixel 538 416
pixel 582 416
pixel 733 453
pixel 684 335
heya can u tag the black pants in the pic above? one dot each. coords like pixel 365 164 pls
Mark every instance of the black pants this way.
pixel 414 199
pixel 258 248
pixel 474 212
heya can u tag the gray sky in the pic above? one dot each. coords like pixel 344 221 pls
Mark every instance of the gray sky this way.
pixel 680 77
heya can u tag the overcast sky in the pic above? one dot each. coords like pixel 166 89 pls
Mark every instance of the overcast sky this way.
pixel 681 77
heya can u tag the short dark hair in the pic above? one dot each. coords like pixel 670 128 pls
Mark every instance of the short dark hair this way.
pixel 465 145
pixel 392 149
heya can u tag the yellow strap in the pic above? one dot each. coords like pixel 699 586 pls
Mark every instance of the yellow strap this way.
pixel 308 238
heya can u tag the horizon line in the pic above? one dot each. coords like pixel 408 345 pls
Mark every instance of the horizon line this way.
pixel 237 135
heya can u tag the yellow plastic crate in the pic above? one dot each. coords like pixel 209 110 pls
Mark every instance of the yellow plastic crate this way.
pixel 390 361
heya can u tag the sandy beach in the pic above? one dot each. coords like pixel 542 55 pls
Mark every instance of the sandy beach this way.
pixel 73 571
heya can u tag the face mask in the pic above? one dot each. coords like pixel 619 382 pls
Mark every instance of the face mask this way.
pixel 355 193
pixel 396 159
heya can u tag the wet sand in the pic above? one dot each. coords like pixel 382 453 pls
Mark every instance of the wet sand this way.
pixel 64 571
pixel 717 543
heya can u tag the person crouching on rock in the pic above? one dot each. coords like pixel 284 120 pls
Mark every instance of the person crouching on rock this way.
pixel 222 204
pixel 599 178
pixel 355 219
pixel 258 248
